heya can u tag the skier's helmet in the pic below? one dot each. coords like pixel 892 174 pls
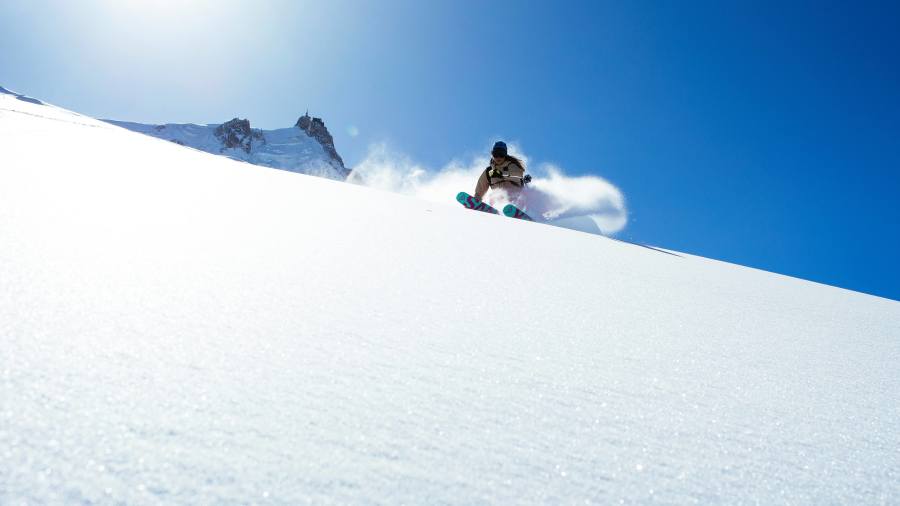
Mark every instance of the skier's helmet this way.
pixel 499 149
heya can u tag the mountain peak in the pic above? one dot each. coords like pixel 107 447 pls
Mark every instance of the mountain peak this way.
pixel 315 128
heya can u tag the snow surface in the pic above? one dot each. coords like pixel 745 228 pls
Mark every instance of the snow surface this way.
pixel 177 327
pixel 283 148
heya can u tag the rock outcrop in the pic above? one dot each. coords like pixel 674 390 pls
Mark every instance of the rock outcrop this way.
pixel 315 128
pixel 238 134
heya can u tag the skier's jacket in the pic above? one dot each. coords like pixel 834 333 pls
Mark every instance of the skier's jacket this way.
pixel 506 174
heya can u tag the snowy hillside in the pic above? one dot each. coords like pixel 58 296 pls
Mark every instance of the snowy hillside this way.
pixel 178 327
pixel 306 148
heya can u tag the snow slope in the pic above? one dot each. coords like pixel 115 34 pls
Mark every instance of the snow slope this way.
pixel 177 327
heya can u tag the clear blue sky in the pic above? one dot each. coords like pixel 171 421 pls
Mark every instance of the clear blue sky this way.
pixel 761 133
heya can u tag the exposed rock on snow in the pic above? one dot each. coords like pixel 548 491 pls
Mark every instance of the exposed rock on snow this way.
pixel 316 129
pixel 307 148
pixel 238 134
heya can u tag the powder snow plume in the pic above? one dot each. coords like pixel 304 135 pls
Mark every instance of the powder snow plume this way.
pixel 586 203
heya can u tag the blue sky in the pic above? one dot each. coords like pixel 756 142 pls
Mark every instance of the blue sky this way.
pixel 760 133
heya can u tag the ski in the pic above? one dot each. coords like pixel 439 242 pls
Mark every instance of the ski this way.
pixel 514 212
pixel 470 202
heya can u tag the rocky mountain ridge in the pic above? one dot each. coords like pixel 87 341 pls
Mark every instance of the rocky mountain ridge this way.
pixel 316 129
pixel 307 147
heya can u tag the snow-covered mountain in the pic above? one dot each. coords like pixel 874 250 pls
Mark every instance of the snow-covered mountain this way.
pixel 181 328
pixel 307 147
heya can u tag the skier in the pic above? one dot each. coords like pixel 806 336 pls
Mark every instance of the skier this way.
pixel 506 173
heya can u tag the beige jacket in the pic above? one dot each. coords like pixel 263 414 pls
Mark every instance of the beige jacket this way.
pixel 515 171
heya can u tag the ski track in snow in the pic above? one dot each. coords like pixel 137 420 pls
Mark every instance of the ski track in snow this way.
pixel 181 328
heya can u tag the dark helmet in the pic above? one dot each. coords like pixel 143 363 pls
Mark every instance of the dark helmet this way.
pixel 499 149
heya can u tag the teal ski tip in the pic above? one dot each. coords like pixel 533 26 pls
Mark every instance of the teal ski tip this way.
pixel 514 212
pixel 470 202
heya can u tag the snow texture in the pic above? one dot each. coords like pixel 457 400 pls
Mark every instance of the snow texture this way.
pixel 182 328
